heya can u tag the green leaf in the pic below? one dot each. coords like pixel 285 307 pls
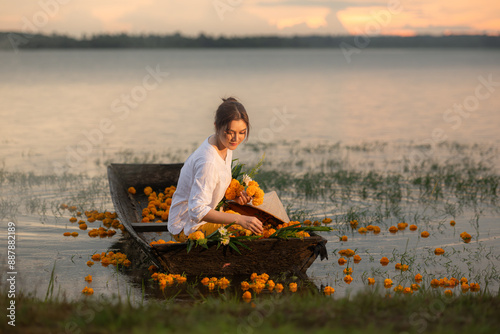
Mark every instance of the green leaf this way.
pixel 241 244
pixel 233 246
pixel 189 245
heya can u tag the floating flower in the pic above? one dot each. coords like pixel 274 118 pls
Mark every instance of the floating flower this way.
pixel 466 237
pixel 387 283
pixel 424 234
pixel 413 227
pixel 327 221
pixel 376 229
pixel 347 252
pixel 465 287
pixel 452 222
pixel 398 266
pixel 464 280
pixel 357 258
pixel 88 278
pixel 348 279
pixel 435 283
pixel 402 226
pixel 418 278
pixel 343 238
pixel 347 271
pixel 82 226
pixel 439 251
pixel 73 220
pixel 448 293
pixel 362 230
pixel 407 291
pixel 90 263
pixel 398 288
pixel 415 287
pixel 404 267
pixel 384 261
pixel 132 190
pixel 474 287
pixel 88 291
pixel 342 261
pixel 247 296
pixel 354 223
pixel 371 280
pixel 96 257
pixel 74 234
pixel 328 290
pixel 67 234
pixel 393 229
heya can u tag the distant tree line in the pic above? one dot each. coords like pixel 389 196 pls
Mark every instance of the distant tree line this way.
pixel 17 40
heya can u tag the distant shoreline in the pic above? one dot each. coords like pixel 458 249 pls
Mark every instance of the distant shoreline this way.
pixel 20 40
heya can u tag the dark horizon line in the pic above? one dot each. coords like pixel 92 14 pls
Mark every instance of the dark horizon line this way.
pixel 177 40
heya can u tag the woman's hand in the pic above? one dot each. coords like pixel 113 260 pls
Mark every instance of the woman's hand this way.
pixel 250 223
pixel 243 198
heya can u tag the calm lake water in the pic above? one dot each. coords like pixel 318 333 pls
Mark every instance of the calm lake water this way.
pixel 75 111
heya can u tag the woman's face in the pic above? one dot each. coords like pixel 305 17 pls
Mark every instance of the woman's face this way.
pixel 236 132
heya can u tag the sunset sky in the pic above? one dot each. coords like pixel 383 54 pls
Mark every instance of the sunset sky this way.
pixel 252 17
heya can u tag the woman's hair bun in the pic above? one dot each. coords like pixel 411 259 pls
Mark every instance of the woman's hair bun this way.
pixel 230 99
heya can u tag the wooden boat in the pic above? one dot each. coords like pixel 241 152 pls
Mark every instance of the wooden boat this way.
pixel 272 256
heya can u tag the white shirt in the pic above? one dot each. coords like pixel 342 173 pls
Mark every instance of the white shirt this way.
pixel 202 184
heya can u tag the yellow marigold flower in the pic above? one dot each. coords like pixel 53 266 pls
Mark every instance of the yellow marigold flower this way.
pixel 452 222
pixel 197 235
pixel 418 278
pixel 67 234
pixel 278 287
pixel 90 263
pixel 132 190
pixel 393 229
pixel 371 280
pixel 343 238
pixel 328 290
pixel 439 251
pixel 357 258
pixel 88 278
pixel 384 261
pixel 347 271
pixel 413 227
pixel 424 234
pixel 348 279
pixel 362 230
pixel 148 191
pixel 292 287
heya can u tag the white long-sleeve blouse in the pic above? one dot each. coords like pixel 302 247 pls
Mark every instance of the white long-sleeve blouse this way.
pixel 202 184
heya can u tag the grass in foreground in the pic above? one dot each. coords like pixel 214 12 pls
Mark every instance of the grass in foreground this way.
pixel 362 313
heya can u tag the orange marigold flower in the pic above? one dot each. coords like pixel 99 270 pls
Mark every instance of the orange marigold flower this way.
pixel 307 222
pixel 205 281
pixel 148 191
pixel 347 252
pixel 439 251
pixel 384 261
pixel 413 227
pixel 327 221
pixel 278 287
pixel 270 285
pixel 328 290
pixel 90 263
pixel 247 295
pixel 435 283
pixel 88 278
pixel 74 234
pixel 347 271
pixel 407 290
pixel 424 234
pixel 418 278
pixel 464 280
pixel 415 287
pixel 398 288
pixel 293 287
pixel 67 234
pixel 376 229
pixel 465 287
pixel 354 223
pixel 211 286
pixel 452 222
pixel 357 258
pixel 343 238
pixel 362 230
pixel 404 267
pixel 197 235
pixel 402 226
pixel 342 261
pixel 474 287
pixel 348 279
pixel 393 229
pixel 387 283
pixel 88 291
pixel 82 226
pixel 371 280
pixel 448 292
pixel 466 237
pixel 132 190
pixel 398 266
pixel 96 257
pixel 73 220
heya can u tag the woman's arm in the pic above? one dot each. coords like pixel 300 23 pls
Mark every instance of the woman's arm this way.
pixel 250 223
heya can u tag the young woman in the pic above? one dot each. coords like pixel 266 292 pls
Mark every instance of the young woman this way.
pixel 206 175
